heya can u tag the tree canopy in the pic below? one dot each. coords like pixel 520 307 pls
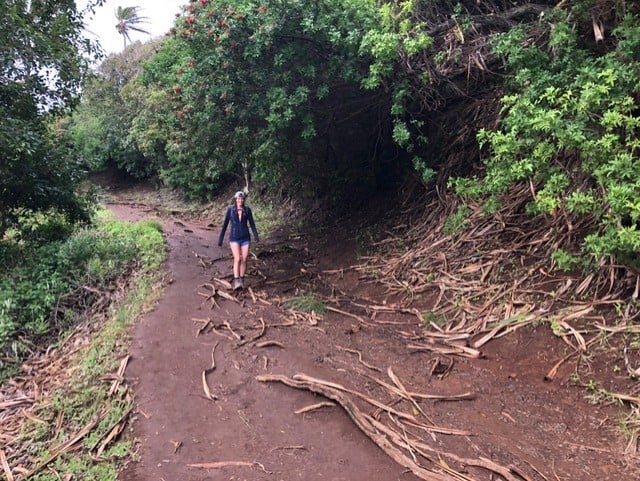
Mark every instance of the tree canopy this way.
pixel 43 59
pixel 328 98
pixel 263 90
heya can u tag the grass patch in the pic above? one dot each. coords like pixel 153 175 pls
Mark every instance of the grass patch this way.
pixel 307 303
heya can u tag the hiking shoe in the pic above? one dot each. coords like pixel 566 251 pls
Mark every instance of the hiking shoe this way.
pixel 237 283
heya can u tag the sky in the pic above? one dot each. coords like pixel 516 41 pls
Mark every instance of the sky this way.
pixel 102 25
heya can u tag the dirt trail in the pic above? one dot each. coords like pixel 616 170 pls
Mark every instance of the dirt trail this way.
pixel 542 430
pixel 250 422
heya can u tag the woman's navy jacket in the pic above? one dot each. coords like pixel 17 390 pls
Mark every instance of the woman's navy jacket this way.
pixel 239 231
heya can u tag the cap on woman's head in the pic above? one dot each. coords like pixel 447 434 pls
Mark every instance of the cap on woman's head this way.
pixel 239 194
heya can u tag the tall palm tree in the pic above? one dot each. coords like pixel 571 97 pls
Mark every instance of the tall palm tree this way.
pixel 129 19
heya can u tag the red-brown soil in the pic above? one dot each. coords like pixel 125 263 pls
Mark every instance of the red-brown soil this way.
pixel 534 429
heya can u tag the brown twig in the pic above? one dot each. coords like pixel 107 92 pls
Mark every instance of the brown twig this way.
pixel 205 385
pixel 313 407
pixel 270 344
pixel 359 354
pixel 258 336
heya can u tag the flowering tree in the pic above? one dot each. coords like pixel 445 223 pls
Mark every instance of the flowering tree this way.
pixel 259 89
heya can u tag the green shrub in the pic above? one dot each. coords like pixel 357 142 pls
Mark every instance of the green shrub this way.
pixel 34 291
pixel 570 130
pixel 39 227
pixel 457 221
pixel 565 261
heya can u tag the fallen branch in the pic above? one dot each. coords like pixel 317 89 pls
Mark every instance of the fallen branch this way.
pixel 176 446
pixel 5 466
pixel 204 324
pixel 119 376
pixel 626 397
pixel 348 314
pixel 222 282
pixel 227 324
pixel 551 375
pixel 269 344
pixel 449 348
pixel 212 296
pixel 112 433
pixel 227 296
pixel 359 354
pixel 405 394
pixel 436 397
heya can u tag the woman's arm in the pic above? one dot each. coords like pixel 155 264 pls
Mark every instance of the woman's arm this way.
pixel 227 217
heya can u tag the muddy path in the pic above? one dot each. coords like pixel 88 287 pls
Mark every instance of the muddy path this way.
pixel 210 407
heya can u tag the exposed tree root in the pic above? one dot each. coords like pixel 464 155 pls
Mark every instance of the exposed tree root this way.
pixel 404 448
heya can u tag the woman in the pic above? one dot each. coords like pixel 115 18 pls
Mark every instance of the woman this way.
pixel 239 238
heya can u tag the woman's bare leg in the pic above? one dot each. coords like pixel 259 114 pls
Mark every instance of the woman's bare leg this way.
pixel 244 254
pixel 237 259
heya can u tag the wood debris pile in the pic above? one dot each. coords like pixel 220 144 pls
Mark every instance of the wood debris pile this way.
pixel 495 275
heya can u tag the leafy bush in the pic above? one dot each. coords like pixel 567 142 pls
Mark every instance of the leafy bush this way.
pixel 570 129
pixel 37 227
pixel 457 222
pixel 565 261
pixel 37 278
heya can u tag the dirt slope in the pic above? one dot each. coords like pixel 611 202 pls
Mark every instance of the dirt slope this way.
pixel 489 418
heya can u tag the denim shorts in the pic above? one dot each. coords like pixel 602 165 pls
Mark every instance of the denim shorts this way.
pixel 241 243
